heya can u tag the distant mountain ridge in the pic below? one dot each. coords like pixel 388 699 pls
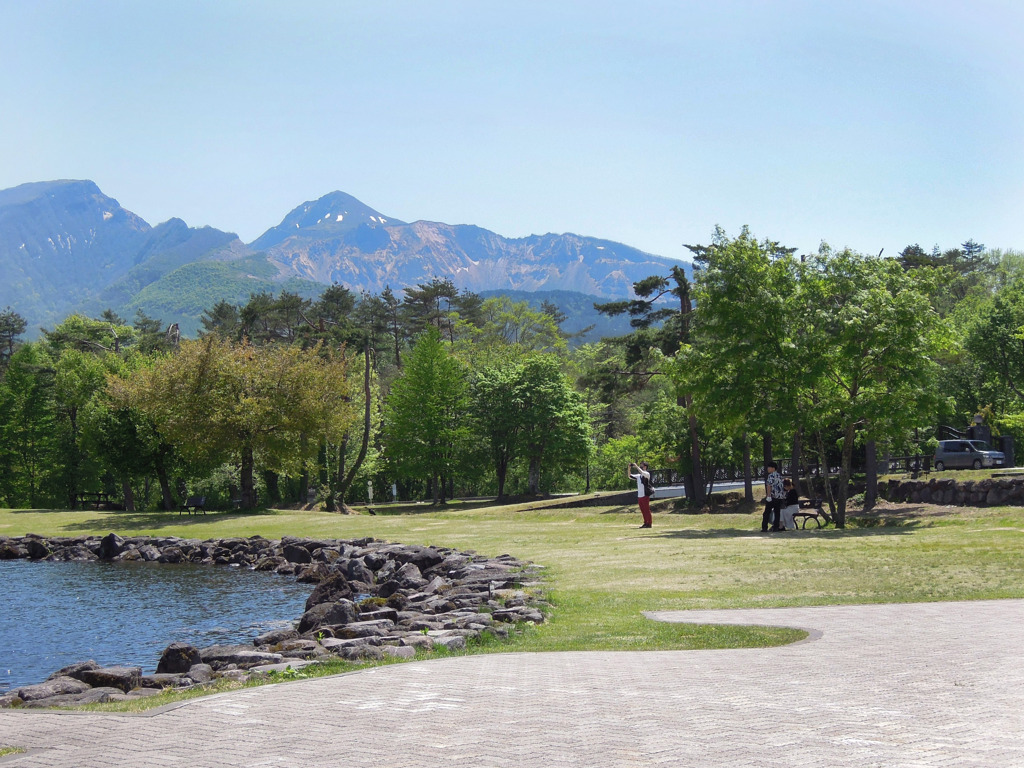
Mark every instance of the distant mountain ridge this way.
pixel 65 246
pixel 338 239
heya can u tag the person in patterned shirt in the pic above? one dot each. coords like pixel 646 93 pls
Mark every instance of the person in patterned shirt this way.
pixel 775 494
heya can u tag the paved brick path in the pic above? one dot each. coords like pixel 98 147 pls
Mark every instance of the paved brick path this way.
pixel 938 684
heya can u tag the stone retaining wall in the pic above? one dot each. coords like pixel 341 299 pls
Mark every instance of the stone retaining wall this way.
pixel 371 599
pixel 990 492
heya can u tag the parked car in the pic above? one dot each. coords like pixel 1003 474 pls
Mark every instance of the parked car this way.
pixel 966 454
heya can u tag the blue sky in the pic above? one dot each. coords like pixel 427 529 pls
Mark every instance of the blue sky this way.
pixel 865 124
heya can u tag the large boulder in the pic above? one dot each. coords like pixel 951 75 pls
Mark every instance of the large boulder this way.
pixel 333 589
pixel 275 636
pixel 326 555
pixel 374 560
pixel 409 576
pixel 162 680
pixel 379 613
pixel 422 557
pixel 269 563
pixel 356 570
pixel 88 696
pixel 294 553
pixel 335 644
pixel 111 546
pixel 123 678
pixel 74 670
pixel 200 673
pixel 375 628
pixel 171 555
pixel 177 658
pixel 36 548
pixel 58 686
pixel 10 550
pixel 220 656
pixel 312 573
pixel 326 614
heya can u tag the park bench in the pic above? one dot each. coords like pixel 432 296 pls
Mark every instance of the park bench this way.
pixel 95 499
pixel 193 504
pixel 812 509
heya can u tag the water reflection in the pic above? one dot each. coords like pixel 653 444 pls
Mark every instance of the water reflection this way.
pixel 55 614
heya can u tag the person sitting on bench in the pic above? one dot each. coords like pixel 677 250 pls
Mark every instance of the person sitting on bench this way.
pixel 790 505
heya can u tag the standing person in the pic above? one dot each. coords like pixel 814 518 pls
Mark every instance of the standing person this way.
pixel 643 490
pixel 774 495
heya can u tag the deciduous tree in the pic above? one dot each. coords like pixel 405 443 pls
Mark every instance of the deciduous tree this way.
pixel 424 416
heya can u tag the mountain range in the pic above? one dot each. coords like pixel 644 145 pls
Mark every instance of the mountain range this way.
pixel 65 246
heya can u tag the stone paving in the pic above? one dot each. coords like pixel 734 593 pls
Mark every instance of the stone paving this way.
pixel 934 684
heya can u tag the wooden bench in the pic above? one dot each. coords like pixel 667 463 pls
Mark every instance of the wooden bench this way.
pixel 95 499
pixel 192 505
pixel 812 509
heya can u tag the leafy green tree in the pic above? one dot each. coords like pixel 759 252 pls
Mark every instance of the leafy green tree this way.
pixel 12 326
pixel 871 343
pixel 661 331
pixel 92 336
pixel 78 377
pixel 329 320
pixel 996 338
pixel 217 401
pixel 960 271
pixel 27 435
pixel 439 304
pixel 222 320
pixel 613 456
pixel 507 326
pixel 152 336
pixel 498 406
pixel 348 467
pixel 266 319
pixel 742 365
pixel 555 421
pixel 380 318
pixel 424 416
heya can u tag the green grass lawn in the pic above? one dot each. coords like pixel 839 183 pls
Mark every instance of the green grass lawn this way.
pixel 603 572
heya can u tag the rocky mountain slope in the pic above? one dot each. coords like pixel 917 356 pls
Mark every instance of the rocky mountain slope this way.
pixel 338 239
pixel 65 246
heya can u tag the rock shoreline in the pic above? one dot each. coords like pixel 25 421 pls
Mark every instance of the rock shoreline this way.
pixel 371 599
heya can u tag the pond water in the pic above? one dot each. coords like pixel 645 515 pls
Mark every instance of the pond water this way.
pixel 55 614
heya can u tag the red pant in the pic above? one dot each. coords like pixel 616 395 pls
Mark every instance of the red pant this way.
pixel 645 509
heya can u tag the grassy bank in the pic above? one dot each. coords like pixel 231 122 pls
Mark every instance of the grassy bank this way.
pixel 603 571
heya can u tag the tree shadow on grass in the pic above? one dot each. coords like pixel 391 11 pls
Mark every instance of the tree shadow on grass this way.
pixel 160 520
pixel 409 509
pixel 900 529
pixel 622 510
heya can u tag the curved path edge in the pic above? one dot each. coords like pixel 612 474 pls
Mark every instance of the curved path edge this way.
pixel 924 684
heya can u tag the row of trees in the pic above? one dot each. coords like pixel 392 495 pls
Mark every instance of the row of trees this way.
pixel 832 355
pixel 835 354
pixel 292 399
